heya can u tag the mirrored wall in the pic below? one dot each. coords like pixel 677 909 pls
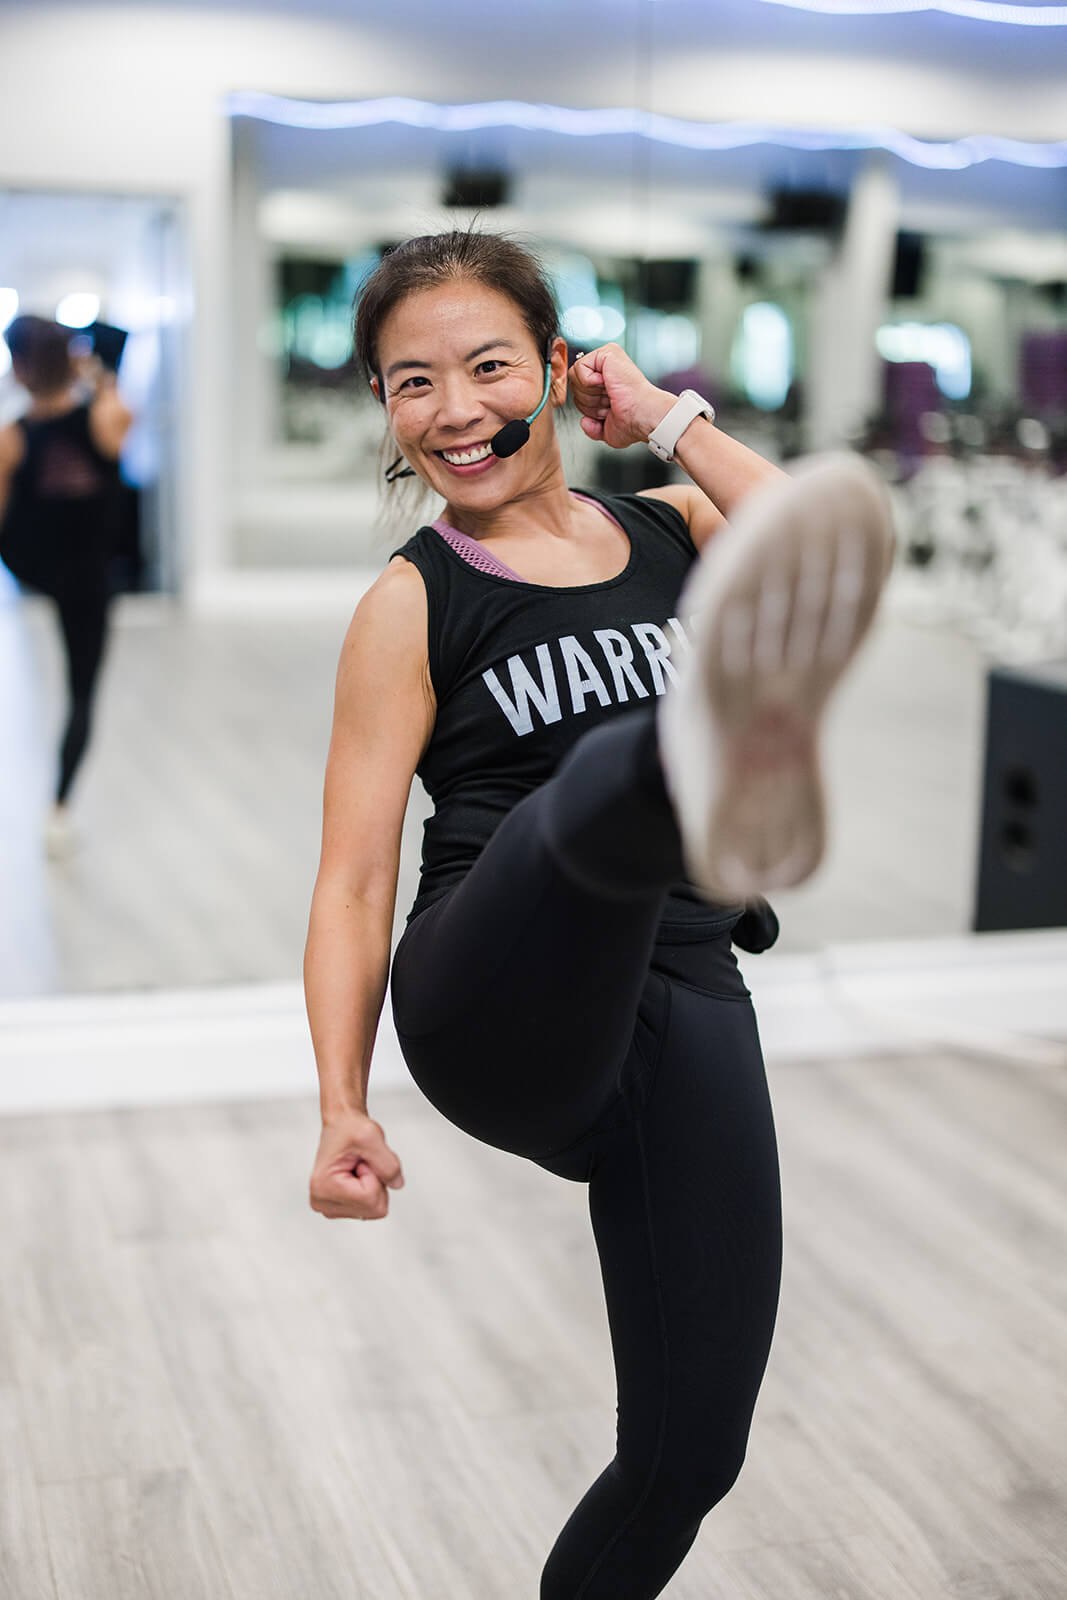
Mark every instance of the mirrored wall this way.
pixel 818 296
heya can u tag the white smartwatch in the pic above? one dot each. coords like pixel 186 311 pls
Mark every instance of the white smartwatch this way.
pixel 663 440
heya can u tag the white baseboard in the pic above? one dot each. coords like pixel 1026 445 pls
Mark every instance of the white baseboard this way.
pixel 999 994
pixel 247 1041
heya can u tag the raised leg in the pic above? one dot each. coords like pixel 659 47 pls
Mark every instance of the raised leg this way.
pixel 515 995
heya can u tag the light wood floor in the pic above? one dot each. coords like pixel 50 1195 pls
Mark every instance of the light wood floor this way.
pixel 208 1392
pixel 199 804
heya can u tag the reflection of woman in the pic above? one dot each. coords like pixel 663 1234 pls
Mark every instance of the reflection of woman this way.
pixel 560 992
pixel 59 504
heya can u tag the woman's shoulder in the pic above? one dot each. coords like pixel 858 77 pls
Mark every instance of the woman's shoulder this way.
pixel 692 509
pixel 397 594
pixel 388 626
pixel 674 495
pixel 383 672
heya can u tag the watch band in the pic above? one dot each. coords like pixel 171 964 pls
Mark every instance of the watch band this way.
pixel 663 440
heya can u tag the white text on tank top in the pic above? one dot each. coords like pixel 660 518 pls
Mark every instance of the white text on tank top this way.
pixel 561 676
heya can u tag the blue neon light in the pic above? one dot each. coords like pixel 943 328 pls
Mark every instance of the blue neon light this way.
pixel 951 155
pixel 973 10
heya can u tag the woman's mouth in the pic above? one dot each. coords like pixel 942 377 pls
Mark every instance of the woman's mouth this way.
pixel 476 458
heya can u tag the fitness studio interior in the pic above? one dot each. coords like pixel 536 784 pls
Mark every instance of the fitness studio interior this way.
pixel 844 222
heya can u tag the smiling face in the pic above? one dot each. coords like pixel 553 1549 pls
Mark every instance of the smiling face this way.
pixel 458 363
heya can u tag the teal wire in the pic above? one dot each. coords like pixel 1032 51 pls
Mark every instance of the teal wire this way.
pixel 544 397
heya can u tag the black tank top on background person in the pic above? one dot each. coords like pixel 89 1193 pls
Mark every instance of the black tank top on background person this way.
pixel 62 514
pixel 521 670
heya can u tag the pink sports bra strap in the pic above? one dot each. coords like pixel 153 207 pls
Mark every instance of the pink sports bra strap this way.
pixel 473 553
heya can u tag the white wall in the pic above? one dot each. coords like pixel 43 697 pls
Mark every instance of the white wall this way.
pixel 128 99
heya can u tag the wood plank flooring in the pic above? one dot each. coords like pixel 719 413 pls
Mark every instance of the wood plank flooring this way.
pixel 199 803
pixel 208 1392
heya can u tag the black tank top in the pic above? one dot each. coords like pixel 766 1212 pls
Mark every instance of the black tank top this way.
pixel 62 513
pixel 521 670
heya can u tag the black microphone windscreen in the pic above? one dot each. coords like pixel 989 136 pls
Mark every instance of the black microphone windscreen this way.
pixel 512 437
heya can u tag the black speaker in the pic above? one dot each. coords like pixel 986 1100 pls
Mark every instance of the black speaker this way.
pixel 1022 853
pixel 909 266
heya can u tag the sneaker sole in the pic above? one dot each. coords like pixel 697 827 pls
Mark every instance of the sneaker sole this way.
pixel 783 599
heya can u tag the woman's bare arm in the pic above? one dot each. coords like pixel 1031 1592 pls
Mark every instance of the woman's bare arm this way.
pixel 12 449
pixel 383 717
pixel 110 419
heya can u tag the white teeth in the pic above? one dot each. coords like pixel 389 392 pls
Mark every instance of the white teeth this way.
pixel 465 458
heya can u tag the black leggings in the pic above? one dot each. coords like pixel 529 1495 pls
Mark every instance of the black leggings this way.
pixel 82 606
pixel 537 1011
pixel 71 565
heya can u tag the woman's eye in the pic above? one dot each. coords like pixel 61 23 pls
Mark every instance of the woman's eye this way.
pixel 421 381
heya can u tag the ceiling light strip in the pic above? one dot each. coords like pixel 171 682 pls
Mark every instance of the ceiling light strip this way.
pixel 950 155
pixel 973 10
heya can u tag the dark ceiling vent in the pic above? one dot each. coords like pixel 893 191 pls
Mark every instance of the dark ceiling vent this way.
pixel 806 210
pixel 476 189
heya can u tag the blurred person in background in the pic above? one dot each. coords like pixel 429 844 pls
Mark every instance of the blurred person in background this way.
pixel 610 797
pixel 59 516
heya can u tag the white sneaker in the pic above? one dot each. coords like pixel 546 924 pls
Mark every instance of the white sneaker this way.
pixel 782 597
pixel 58 834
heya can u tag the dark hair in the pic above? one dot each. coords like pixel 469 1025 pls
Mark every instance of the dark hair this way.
pixel 438 258
pixel 42 350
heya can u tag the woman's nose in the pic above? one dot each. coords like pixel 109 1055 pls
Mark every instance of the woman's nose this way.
pixel 459 403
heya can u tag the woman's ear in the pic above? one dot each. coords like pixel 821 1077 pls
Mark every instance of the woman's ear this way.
pixel 558 360
pixel 376 388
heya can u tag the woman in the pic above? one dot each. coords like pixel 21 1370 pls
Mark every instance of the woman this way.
pixel 560 990
pixel 59 506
